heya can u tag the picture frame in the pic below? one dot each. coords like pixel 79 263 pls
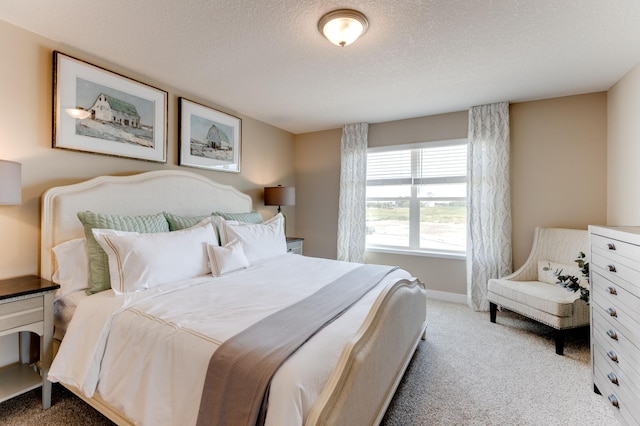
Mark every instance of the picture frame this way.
pixel 209 139
pixel 99 111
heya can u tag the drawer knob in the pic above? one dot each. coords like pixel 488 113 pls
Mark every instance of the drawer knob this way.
pixel 612 268
pixel 613 378
pixel 612 290
pixel 612 334
pixel 612 356
pixel 614 401
pixel 612 312
pixel 611 246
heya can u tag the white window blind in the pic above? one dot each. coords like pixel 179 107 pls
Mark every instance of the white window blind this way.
pixel 416 197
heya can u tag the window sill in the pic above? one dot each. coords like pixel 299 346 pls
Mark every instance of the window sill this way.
pixel 423 253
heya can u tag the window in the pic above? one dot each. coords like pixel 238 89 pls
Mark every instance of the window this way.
pixel 417 197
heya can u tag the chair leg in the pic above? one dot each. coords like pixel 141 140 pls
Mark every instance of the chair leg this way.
pixel 560 342
pixel 493 309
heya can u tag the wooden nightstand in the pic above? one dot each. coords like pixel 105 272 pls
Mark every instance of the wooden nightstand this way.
pixel 294 245
pixel 26 305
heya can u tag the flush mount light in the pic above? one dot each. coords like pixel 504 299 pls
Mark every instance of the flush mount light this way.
pixel 342 27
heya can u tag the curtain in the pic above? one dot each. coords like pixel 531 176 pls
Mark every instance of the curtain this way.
pixel 352 214
pixel 489 201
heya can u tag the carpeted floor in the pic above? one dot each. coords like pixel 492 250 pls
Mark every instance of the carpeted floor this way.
pixel 467 372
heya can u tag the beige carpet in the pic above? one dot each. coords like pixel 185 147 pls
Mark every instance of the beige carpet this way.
pixel 467 372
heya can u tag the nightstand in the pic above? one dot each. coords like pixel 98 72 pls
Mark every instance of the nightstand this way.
pixel 294 245
pixel 26 305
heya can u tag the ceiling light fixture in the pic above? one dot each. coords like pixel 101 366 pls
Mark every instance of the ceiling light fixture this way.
pixel 342 27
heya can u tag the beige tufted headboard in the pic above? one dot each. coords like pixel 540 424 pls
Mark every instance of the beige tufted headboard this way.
pixel 173 191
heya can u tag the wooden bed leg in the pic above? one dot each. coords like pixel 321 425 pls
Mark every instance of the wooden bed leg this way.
pixel 560 342
pixel 493 309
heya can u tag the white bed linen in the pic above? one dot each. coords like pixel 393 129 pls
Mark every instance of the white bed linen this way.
pixel 147 359
pixel 63 310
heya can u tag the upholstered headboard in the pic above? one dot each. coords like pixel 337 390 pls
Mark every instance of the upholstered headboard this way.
pixel 174 191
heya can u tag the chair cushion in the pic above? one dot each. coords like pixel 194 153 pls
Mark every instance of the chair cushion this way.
pixel 550 298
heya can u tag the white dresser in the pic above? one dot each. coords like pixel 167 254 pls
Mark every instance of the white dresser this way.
pixel 615 317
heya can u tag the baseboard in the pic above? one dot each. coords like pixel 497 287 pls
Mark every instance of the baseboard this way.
pixel 447 297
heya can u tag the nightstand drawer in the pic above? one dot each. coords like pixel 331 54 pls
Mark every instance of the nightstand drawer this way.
pixel 294 245
pixel 26 305
pixel 21 312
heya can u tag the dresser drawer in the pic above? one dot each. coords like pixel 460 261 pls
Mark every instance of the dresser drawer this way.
pixel 21 312
pixel 617 269
pixel 617 302
pixel 614 337
pixel 616 247
pixel 626 378
pixel 623 404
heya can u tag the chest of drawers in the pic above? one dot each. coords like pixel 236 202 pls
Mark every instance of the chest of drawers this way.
pixel 615 317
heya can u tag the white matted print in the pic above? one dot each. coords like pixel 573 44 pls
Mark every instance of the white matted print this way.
pixel 209 139
pixel 99 111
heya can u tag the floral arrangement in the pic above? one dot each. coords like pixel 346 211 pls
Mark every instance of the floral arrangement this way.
pixel 571 282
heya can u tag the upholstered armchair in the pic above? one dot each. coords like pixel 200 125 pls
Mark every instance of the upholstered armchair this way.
pixel 532 290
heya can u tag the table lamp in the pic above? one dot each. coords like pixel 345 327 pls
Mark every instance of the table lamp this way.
pixel 280 196
pixel 10 183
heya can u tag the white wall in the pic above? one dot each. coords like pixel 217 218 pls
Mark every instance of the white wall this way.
pixel 623 151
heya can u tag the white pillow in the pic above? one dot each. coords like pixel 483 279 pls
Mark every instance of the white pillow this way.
pixel 139 261
pixel 227 258
pixel 72 272
pixel 259 241
pixel 549 275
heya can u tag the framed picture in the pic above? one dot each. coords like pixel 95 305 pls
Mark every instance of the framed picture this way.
pixel 209 139
pixel 99 111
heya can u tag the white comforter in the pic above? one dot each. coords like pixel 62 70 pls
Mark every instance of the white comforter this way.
pixel 146 353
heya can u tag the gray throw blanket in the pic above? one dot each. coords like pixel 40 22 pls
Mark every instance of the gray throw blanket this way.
pixel 237 382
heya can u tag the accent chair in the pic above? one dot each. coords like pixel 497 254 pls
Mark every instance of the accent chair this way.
pixel 532 290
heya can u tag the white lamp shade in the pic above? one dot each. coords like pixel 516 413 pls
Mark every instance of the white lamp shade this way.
pixel 10 182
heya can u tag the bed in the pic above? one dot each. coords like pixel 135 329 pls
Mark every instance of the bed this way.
pixel 346 373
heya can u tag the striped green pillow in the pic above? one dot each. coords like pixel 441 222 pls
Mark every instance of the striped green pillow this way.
pixel 98 261
pixel 247 217
pixel 176 223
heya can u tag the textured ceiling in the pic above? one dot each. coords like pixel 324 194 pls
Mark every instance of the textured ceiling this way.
pixel 266 58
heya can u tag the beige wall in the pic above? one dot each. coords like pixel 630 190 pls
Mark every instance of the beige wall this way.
pixel 26 131
pixel 424 129
pixel 317 158
pixel 558 166
pixel 558 177
pixel 623 151
pixel 318 185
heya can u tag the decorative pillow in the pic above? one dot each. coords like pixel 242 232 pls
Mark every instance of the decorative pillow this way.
pixel 227 258
pixel 550 275
pixel 139 261
pixel 177 223
pixel 72 272
pixel 247 217
pixel 259 241
pixel 98 263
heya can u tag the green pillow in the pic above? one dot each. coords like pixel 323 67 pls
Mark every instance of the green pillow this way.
pixel 177 223
pixel 248 217
pixel 98 261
